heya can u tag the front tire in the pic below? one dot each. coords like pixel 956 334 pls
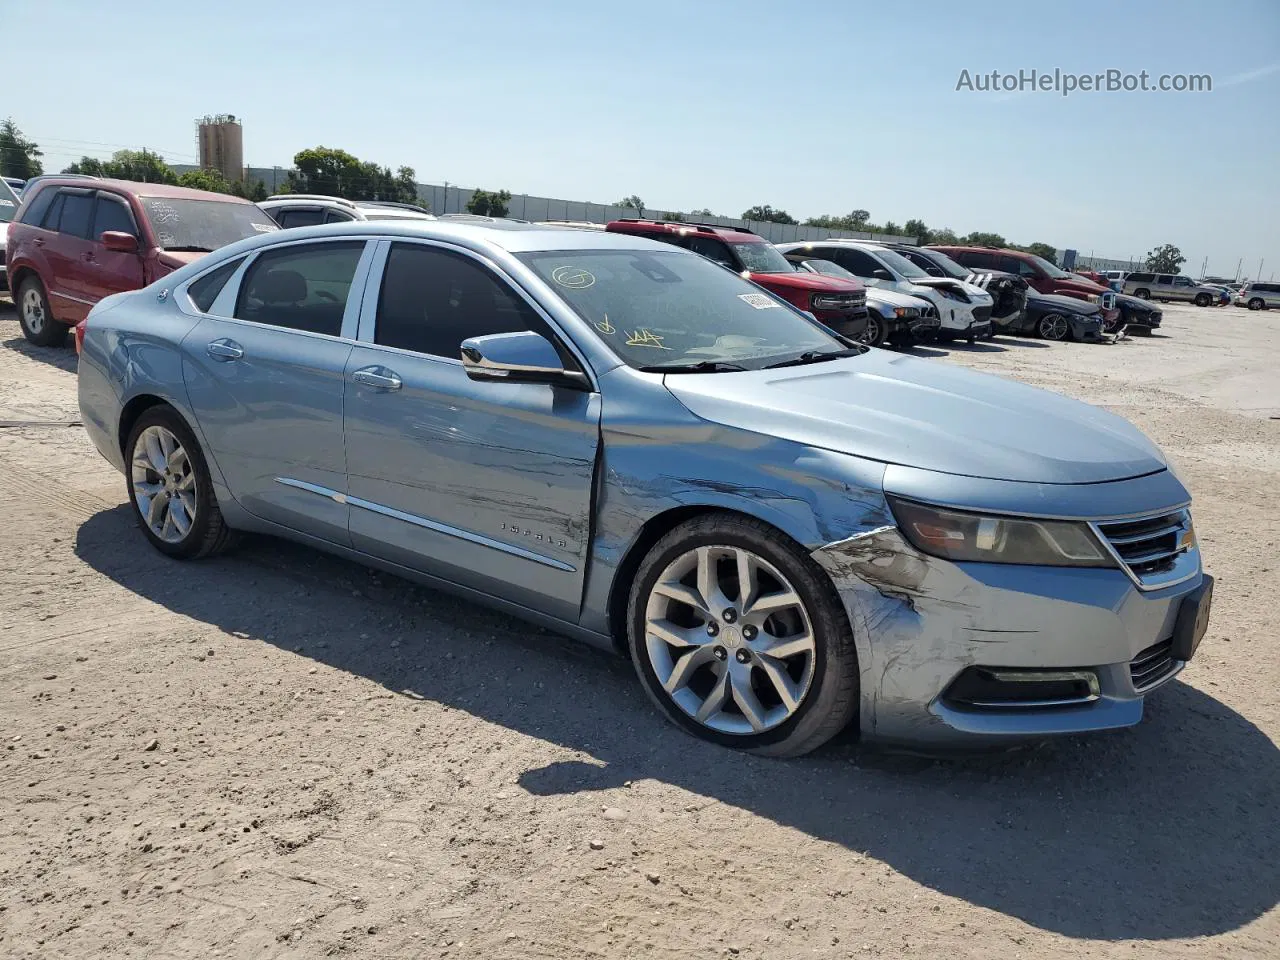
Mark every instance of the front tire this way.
pixel 740 639
pixel 170 487
pixel 1143 293
pixel 1203 300
pixel 1054 326
pixel 35 317
pixel 876 332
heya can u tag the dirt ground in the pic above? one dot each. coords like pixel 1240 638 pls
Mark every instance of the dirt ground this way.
pixel 279 754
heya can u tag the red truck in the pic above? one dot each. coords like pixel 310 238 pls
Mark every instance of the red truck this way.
pixel 839 303
pixel 76 240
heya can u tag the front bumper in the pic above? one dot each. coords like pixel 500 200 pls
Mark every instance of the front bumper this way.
pixel 1087 328
pixel 922 622
pixel 847 323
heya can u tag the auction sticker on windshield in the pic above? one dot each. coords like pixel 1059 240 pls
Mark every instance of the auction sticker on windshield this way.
pixel 575 278
pixel 264 227
pixel 757 300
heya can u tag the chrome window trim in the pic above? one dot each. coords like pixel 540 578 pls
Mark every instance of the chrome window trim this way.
pixel 224 304
pixel 369 319
pixel 426 524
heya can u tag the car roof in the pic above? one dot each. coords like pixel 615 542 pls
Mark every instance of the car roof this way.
pixel 506 235
pixel 839 241
pixel 636 225
pixel 163 190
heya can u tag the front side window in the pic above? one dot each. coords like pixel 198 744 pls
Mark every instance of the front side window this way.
pixel 712 249
pixel 1026 269
pixel 432 299
pixel 113 215
pixel 1182 282
pixel 302 287
pixel 656 309
pixel 901 265
pixel 858 262
pixel 77 215
pixel 1048 268
pixel 181 224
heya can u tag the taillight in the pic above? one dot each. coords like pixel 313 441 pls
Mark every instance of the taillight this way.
pixel 80 328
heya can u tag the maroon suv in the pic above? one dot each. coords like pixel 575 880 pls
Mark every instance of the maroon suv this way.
pixel 839 303
pixel 75 241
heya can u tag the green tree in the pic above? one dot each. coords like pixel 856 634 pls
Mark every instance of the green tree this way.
pixel 891 228
pixel 1046 250
pixel 673 216
pixel 139 166
pixel 257 193
pixel 19 157
pixel 767 214
pixel 489 203
pixel 632 203
pixel 980 239
pixel 205 179
pixel 704 212
pixel 327 171
pixel 917 229
pixel 1166 259
pixel 945 236
pixel 853 220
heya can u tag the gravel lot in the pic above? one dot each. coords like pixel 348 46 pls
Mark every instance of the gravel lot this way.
pixel 281 754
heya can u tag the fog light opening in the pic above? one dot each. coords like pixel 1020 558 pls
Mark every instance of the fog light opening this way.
pixel 993 688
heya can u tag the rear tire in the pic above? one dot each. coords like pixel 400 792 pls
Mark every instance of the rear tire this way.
pixel 1256 304
pixel 170 488
pixel 35 317
pixel 694 631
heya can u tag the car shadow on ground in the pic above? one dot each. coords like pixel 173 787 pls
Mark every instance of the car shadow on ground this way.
pixel 1167 830
pixel 64 358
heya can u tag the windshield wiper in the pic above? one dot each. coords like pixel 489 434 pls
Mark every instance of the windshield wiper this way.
pixel 190 249
pixel 702 366
pixel 814 356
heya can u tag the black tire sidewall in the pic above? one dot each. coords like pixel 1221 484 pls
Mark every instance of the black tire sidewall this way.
pixel 825 615
pixel 1256 304
pixel 206 508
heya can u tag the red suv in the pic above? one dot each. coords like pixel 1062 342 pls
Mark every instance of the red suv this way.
pixel 1037 271
pixel 75 241
pixel 839 303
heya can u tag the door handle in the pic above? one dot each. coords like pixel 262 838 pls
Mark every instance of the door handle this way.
pixel 38 241
pixel 225 350
pixel 87 257
pixel 379 377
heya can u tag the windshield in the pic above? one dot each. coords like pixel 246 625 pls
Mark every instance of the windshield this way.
pixel 827 268
pixel 182 224
pixel 8 202
pixel 946 265
pixel 901 265
pixel 1051 270
pixel 762 258
pixel 670 309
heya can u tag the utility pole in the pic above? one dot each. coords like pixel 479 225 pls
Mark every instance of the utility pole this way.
pixel 1259 276
pixel 1239 264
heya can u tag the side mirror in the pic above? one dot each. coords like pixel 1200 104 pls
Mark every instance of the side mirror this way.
pixel 524 357
pixel 880 274
pixel 119 241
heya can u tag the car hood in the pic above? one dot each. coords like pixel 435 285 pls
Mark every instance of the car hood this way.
pixel 1053 301
pixel 893 298
pixel 801 280
pixel 1079 288
pixel 933 416
pixel 974 293
pixel 1136 303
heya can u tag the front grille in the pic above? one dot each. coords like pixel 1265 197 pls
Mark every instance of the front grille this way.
pixel 981 314
pixel 1151 545
pixel 844 301
pixel 1153 665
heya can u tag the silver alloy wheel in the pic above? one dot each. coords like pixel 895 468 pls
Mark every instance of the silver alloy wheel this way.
pixel 872 334
pixel 1054 326
pixel 730 640
pixel 33 310
pixel 164 484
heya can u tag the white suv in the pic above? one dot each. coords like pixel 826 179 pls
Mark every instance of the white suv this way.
pixel 306 210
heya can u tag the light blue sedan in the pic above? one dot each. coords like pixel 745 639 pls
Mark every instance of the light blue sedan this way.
pixel 621 440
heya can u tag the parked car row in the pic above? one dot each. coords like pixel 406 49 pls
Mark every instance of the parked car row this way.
pixel 615 437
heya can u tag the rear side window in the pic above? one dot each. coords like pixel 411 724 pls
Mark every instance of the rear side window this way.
pixel 333 216
pixel 980 259
pixel 113 214
pixel 1163 279
pixel 1267 287
pixel 303 287
pixel 77 215
pixel 433 299
pixel 1140 278
pixel 204 291
pixel 35 211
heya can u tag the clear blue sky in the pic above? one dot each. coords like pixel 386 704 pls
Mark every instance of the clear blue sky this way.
pixel 819 107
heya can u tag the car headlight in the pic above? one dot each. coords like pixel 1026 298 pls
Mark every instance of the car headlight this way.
pixel 1093 298
pixel 975 537
pixel 905 313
